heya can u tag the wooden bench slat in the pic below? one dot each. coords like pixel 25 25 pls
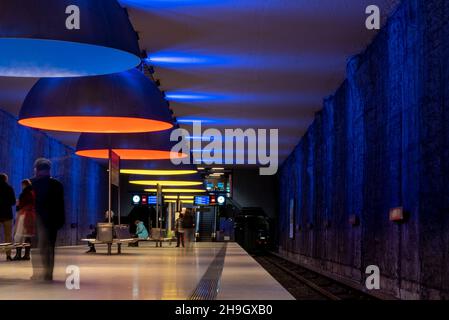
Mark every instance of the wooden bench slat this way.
pixel 10 246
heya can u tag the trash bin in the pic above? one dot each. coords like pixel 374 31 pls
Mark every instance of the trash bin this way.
pixel 104 232
pixel 156 233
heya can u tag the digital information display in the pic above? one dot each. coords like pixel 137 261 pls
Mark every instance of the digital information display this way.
pixel 143 199
pixel 152 199
pixel 202 200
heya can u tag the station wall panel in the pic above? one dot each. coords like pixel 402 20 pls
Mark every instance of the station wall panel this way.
pixel 381 141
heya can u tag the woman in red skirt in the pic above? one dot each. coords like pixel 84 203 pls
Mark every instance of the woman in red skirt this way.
pixel 25 227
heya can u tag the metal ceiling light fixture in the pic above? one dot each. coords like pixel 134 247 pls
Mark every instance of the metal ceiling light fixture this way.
pixel 136 146
pixel 156 168
pixel 126 102
pixel 65 38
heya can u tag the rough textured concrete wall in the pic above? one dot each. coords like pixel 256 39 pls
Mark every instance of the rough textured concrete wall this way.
pixel 85 181
pixel 381 141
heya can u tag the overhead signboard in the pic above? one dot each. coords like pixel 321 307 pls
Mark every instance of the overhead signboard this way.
pixel 114 168
pixel 202 200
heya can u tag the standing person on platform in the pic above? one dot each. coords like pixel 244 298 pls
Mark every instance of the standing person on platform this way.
pixel 25 227
pixel 7 201
pixel 179 231
pixel 50 217
pixel 188 224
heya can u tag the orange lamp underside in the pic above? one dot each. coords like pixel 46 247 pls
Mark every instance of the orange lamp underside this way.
pixel 96 124
pixel 132 154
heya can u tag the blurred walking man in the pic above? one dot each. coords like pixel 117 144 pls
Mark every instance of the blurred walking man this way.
pixel 50 217
pixel 188 224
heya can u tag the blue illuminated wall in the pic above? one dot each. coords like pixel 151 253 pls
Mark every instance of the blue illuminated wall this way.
pixel 381 141
pixel 84 180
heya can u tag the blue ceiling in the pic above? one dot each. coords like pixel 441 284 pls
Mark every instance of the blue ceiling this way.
pixel 243 63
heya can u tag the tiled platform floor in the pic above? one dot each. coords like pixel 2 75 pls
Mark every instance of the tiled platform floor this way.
pixel 145 272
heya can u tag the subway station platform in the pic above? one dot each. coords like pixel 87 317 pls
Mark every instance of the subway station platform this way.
pixel 207 271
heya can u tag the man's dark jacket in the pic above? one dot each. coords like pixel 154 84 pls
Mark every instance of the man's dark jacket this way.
pixel 188 222
pixel 50 207
pixel 7 201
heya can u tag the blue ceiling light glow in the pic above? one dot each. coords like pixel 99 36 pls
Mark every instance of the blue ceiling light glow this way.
pixel 180 57
pixel 174 60
pixel 192 120
pixel 250 99
pixel 197 138
pixel 44 47
pixel 292 7
pixel 201 150
pixel 207 138
pixel 170 3
pixel 243 122
pixel 209 161
pixel 191 97
pixel 185 60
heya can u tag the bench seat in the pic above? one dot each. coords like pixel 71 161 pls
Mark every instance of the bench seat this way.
pixel 10 246
pixel 118 242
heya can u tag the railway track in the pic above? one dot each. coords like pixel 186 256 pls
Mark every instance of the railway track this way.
pixel 305 284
